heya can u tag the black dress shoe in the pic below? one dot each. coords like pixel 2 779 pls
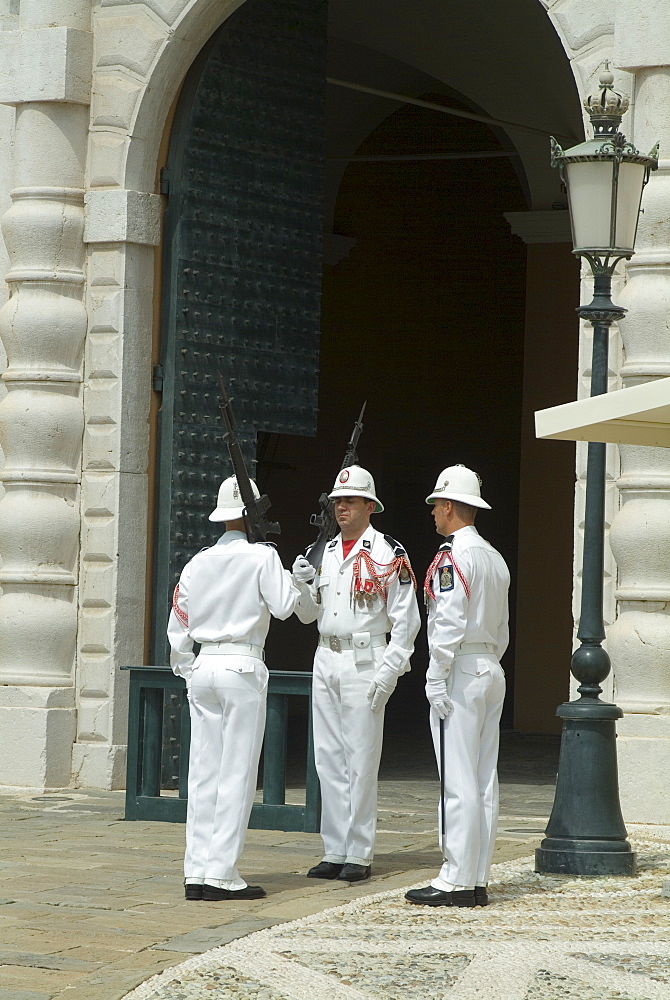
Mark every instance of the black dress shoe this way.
pixel 325 869
pixel 481 896
pixel 436 897
pixel 354 873
pixel 214 895
pixel 193 891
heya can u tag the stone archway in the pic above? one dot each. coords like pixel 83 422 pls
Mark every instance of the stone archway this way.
pixel 142 53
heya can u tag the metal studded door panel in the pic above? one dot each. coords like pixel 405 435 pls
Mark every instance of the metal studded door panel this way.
pixel 242 262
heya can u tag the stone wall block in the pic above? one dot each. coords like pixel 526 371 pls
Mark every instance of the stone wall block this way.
pixel 653 229
pixel 106 309
pixel 99 765
pixel 644 764
pixel 167 10
pixel 98 546
pixel 37 637
pixel 23 729
pixel 640 641
pixel 49 149
pixel 43 330
pixel 114 100
pixel 641 34
pixel 122 217
pixel 36 697
pixel 98 575
pixel 100 495
pixel 95 625
pixel 107 155
pixel 652 91
pixel 644 468
pixel 641 545
pixel 39 533
pixel 96 671
pixel 118 369
pixel 646 332
pixel 105 447
pixel 46 64
pixel 101 440
pixel 93 720
pixel 73 13
pixel 129 40
pixel 41 426
pixel 43 231
pixel 98 538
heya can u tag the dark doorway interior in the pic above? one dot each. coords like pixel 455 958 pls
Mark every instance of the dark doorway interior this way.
pixel 424 318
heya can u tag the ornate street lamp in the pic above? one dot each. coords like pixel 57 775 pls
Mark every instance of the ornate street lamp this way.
pixel 604 178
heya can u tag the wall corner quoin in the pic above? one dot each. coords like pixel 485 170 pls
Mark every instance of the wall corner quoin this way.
pixel 36 745
pixel 122 216
pixel 99 765
pixel 46 64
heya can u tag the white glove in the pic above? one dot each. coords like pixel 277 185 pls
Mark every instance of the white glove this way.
pixel 436 693
pixel 382 687
pixel 302 570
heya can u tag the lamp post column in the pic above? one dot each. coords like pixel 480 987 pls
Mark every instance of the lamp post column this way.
pixel 604 178
pixel 586 833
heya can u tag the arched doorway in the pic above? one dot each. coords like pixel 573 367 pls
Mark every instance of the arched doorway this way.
pixel 426 317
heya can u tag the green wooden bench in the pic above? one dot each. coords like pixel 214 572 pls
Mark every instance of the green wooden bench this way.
pixel 149 687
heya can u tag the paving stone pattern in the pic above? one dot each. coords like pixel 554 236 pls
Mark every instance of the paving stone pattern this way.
pixel 92 906
pixel 543 938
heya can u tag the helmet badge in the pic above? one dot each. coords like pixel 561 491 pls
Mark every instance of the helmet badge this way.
pixel 344 475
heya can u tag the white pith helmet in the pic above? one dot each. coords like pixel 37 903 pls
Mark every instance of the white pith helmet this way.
pixel 229 505
pixel 458 483
pixel 355 481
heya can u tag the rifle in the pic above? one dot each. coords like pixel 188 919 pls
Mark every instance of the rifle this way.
pixel 325 520
pixel 257 525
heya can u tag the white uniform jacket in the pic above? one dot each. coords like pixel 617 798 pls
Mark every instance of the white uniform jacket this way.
pixel 470 599
pixel 329 600
pixel 227 593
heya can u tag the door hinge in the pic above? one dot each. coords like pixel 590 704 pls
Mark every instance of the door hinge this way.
pixel 157 382
pixel 164 182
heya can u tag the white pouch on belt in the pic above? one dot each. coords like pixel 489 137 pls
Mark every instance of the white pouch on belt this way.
pixel 362 647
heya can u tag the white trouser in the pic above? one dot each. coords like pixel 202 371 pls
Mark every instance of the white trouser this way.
pixel 347 750
pixel 227 725
pixel 471 738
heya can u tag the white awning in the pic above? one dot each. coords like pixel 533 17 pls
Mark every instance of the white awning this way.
pixel 637 415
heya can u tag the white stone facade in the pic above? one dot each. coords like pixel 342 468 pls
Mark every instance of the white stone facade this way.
pixel 85 95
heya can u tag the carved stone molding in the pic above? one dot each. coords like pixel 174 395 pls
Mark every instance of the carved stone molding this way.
pixel 639 639
pixel 43 328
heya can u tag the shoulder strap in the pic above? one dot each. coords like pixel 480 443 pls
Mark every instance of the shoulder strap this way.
pixel 398 549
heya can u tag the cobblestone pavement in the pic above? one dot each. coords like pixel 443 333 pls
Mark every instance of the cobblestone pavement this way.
pixel 92 906
pixel 544 938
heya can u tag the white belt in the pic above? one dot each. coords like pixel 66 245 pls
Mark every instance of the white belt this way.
pixel 474 647
pixel 336 644
pixel 232 649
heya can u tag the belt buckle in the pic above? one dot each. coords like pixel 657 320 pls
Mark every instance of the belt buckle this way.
pixel 334 644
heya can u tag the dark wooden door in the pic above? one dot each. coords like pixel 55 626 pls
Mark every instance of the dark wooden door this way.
pixel 241 264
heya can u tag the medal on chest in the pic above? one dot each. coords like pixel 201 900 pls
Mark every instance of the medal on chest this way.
pixel 364 594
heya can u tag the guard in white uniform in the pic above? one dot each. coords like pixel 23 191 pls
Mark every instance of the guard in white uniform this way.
pixel 224 600
pixel 364 590
pixel 466 593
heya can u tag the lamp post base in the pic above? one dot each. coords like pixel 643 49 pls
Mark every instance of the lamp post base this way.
pixel 585 858
pixel 586 833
